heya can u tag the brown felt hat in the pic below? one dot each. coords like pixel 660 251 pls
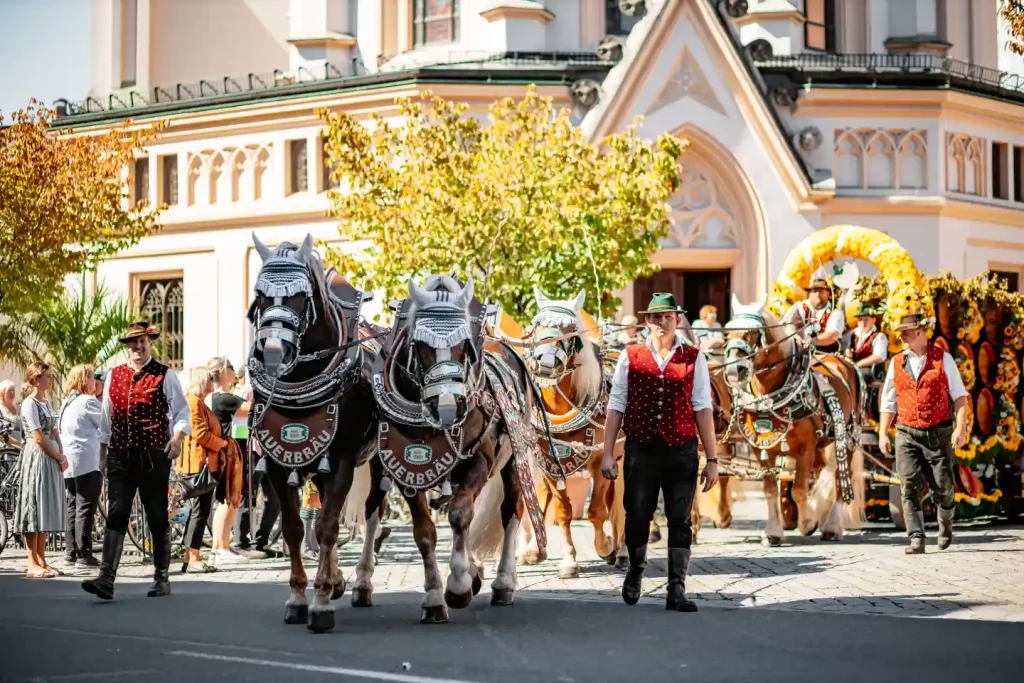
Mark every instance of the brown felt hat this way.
pixel 137 329
pixel 911 322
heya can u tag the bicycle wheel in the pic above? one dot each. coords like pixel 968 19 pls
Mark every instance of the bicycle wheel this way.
pixel 138 530
pixel 4 531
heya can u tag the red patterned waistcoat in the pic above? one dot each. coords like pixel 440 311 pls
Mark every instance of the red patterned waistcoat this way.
pixel 138 415
pixel 924 402
pixel 659 403
pixel 865 349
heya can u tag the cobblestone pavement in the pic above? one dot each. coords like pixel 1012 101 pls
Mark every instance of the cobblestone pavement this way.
pixel 980 577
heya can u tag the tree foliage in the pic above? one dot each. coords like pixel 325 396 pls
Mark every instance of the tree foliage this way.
pixel 63 204
pixel 518 201
pixel 78 327
pixel 1012 12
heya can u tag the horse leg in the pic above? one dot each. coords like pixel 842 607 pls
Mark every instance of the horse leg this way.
pixel 567 567
pixel 806 521
pixel 773 532
pixel 433 610
pixel 362 589
pixel 504 585
pixel 330 583
pixel 296 609
pixel 598 512
pixel 533 553
pixel 459 589
pixel 695 513
pixel 617 516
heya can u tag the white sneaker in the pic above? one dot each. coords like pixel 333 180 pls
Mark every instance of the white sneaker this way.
pixel 222 558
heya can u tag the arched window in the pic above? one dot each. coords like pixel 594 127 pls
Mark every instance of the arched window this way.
pixel 163 305
pixel 435 22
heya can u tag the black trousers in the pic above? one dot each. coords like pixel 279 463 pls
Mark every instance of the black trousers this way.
pixel 925 455
pixel 651 467
pixel 271 506
pixel 148 472
pixel 83 495
pixel 198 515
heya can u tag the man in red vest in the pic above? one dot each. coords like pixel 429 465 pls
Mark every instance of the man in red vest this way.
pixel 143 405
pixel 818 316
pixel 917 391
pixel 661 397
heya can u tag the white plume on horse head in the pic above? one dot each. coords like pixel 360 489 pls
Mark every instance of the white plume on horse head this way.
pixel 261 249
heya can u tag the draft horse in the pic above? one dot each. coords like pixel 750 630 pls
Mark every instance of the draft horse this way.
pixel 313 412
pixel 792 402
pixel 565 361
pixel 455 419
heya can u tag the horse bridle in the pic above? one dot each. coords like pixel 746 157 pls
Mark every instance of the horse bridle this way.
pixel 550 339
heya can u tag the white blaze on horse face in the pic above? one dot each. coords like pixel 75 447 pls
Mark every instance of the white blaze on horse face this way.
pixel 261 248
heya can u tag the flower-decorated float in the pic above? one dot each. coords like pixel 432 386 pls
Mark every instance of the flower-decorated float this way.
pixel 978 321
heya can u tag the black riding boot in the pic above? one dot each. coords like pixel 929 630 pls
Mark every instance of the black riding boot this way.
pixel 675 599
pixel 914 520
pixel 103 585
pixel 945 527
pixel 161 561
pixel 632 584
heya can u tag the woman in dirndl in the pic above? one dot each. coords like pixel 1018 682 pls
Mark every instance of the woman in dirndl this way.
pixel 41 506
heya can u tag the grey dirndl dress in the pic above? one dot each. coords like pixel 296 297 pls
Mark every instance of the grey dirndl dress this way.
pixel 40 506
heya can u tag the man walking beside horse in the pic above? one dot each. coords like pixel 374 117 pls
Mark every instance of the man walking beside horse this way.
pixel 917 392
pixel 661 397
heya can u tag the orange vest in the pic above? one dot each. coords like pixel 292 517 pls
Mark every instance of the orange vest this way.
pixel 659 403
pixel 864 350
pixel 924 402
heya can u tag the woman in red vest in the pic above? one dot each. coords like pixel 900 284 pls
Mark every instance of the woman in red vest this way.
pixel 661 397
pixel 918 387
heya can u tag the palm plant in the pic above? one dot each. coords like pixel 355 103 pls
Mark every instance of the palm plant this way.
pixel 78 327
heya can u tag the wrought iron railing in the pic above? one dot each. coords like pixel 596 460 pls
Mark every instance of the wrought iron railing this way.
pixel 878 64
pixel 330 72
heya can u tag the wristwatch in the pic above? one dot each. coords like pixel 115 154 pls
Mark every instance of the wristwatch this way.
pixel 714 460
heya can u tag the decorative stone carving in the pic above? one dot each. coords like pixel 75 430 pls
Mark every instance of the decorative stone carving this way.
pixel 760 50
pixel 809 139
pixel 737 8
pixel 633 8
pixel 965 164
pixel 880 158
pixel 784 96
pixel 227 175
pixel 687 80
pixel 610 48
pixel 702 215
pixel 585 92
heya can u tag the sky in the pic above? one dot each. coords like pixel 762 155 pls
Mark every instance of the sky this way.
pixel 45 51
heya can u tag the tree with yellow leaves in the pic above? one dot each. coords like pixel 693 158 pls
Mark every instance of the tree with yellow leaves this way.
pixel 520 201
pixel 63 205
pixel 1012 12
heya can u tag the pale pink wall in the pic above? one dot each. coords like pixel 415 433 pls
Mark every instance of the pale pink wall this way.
pixel 192 40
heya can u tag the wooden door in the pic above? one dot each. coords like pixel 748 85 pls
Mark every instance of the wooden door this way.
pixel 692 289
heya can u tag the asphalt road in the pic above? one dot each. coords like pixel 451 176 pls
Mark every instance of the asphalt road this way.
pixel 52 631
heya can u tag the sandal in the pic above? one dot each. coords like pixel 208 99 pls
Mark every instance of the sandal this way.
pixel 199 568
pixel 55 571
pixel 44 574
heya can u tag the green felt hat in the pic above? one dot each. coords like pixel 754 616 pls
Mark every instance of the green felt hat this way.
pixel 867 309
pixel 662 302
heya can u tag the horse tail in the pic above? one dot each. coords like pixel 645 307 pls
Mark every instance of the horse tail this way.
pixel 486 532
pixel 353 514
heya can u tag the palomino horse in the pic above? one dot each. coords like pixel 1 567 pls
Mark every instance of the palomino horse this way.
pixel 453 418
pixel 566 363
pixel 313 412
pixel 793 402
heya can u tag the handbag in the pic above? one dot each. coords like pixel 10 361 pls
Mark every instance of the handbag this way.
pixel 199 484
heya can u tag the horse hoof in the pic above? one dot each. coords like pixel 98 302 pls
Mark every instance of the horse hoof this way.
pixel 622 563
pixel 772 541
pixel 296 614
pixel 534 557
pixel 362 597
pixel 338 591
pixel 478 583
pixel 810 531
pixel 434 615
pixel 456 601
pixel 724 524
pixel 655 536
pixel 501 597
pixel 829 536
pixel 321 621
pixel 569 572
pixel 609 558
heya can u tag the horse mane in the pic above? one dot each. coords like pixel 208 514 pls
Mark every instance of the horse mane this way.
pixel 776 330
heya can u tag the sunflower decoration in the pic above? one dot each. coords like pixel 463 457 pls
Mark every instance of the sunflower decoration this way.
pixel 972 325
pixel 964 359
pixel 1007 372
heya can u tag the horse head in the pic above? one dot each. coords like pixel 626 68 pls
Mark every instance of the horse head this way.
pixel 441 348
pixel 561 347
pixel 747 335
pixel 285 305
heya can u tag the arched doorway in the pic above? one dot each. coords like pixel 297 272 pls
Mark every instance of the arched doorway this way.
pixel 717 244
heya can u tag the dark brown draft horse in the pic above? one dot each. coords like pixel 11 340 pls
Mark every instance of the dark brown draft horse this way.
pixel 455 419
pixel 313 411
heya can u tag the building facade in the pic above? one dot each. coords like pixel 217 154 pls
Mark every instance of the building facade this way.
pixel 906 116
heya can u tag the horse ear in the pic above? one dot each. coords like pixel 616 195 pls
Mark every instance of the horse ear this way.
pixel 261 248
pixel 539 296
pixel 466 295
pixel 419 296
pixel 307 246
pixel 736 305
pixel 577 303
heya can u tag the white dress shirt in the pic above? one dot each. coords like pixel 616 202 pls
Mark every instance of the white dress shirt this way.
pixel 835 323
pixel 879 345
pixel 79 425
pixel 700 397
pixel 178 416
pixel 914 364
